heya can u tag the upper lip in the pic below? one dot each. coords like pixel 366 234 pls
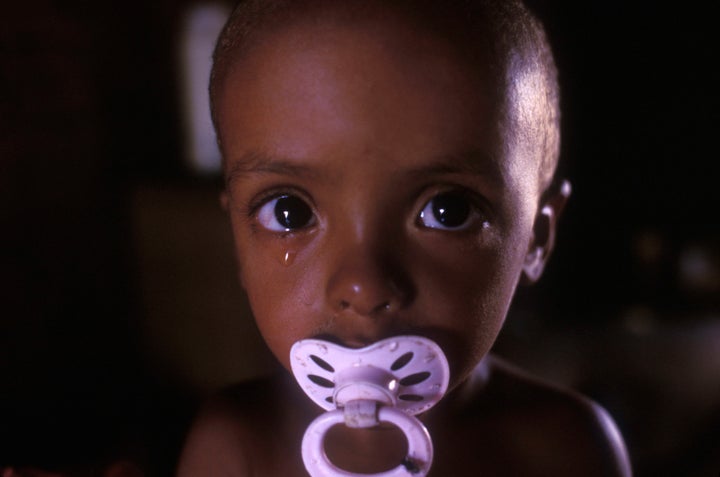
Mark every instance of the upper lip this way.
pixel 357 341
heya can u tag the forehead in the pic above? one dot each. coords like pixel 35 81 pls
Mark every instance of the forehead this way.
pixel 383 89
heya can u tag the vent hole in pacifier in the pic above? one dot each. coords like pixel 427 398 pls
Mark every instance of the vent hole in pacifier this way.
pixel 410 397
pixel 366 451
pixel 320 381
pixel 416 378
pixel 402 361
pixel 322 363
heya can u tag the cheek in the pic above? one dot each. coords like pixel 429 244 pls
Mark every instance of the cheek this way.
pixel 274 310
pixel 478 279
pixel 281 292
pixel 467 292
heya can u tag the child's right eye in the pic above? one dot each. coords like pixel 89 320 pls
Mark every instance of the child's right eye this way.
pixel 285 213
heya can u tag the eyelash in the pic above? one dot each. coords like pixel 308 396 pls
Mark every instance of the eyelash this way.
pixel 257 214
pixel 475 210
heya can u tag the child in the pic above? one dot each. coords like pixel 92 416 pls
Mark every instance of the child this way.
pixel 389 172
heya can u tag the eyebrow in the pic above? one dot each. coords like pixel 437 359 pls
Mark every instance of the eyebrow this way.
pixel 256 162
pixel 476 163
pixel 473 162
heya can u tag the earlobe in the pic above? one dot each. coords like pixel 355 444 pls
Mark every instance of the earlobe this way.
pixel 544 230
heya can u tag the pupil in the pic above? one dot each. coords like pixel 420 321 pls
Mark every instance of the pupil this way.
pixel 451 210
pixel 292 213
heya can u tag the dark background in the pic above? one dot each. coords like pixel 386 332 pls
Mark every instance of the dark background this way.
pixel 103 229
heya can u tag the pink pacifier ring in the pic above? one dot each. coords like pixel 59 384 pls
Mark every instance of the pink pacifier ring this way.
pixel 416 464
pixel 388 381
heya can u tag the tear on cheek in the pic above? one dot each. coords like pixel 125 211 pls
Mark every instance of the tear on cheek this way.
pixel 288 258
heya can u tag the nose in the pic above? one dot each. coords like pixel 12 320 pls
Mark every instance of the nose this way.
pixel 367 284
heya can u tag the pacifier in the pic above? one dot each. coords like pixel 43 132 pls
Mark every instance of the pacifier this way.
pixel 389 381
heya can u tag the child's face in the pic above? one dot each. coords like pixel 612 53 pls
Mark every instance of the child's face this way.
pixel 373 191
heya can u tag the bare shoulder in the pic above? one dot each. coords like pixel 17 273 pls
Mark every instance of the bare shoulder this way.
pixel 541 429
pixel 559 422
pixel 223 433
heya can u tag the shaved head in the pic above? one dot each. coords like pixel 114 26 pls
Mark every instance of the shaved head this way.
pixel 499 38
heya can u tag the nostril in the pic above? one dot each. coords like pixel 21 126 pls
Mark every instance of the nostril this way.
pixel 381 308
pixel 367 289
pixel 357 306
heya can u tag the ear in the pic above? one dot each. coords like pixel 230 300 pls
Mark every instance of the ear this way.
pixel 550 209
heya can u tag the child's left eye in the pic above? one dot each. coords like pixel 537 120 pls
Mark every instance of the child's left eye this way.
pixel 449 211
pixel 285 214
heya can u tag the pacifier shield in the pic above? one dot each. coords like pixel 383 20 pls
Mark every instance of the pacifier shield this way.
pixel 409 373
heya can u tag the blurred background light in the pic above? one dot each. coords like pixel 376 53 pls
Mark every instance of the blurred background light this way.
pixel 202 24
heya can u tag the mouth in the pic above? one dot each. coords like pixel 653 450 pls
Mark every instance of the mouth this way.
pixel 358 339
pixel 355 342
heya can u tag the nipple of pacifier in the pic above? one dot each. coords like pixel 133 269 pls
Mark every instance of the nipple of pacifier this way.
pixel 388 381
